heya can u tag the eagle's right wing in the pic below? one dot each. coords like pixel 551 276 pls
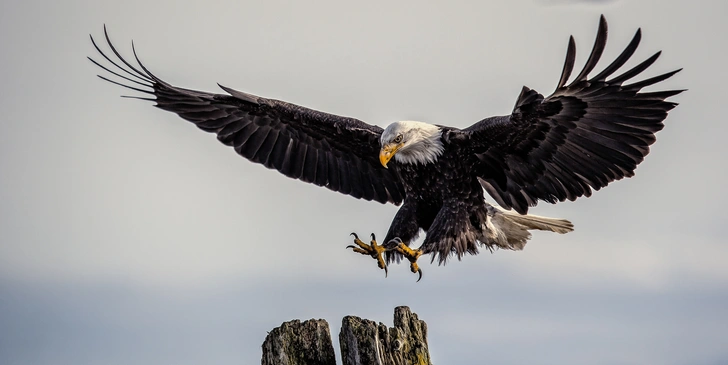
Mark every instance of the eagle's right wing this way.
pixel 584 136
pixel 336 152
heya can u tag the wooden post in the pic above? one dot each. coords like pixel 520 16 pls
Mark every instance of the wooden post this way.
pixel 363 342
pixel 299 343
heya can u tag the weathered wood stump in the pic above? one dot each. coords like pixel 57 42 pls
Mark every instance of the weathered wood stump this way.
pixel 363 342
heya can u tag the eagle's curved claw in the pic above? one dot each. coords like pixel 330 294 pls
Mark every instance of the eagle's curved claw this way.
pixel 393 244
pixel 356 237
pixel 415 268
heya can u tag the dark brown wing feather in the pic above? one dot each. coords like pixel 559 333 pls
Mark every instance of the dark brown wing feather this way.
pixel 582 137
pixel 337 152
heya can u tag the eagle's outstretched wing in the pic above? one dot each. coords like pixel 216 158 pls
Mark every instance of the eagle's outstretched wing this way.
pixel 337 152
pixel 582 137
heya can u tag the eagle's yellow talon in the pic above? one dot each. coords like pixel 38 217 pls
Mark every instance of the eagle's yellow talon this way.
pixel 411 255
pixel 372 249
pixel 375 250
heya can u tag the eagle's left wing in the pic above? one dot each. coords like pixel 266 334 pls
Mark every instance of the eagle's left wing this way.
pixel 582 137
pixel 336 152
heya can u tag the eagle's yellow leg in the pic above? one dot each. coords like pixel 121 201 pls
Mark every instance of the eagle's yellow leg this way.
pixel 411 254
pixel 373 249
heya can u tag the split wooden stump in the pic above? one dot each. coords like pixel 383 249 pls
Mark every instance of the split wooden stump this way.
pixel 363 342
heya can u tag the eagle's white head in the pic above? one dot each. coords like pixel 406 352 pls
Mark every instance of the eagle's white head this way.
pixel 411 143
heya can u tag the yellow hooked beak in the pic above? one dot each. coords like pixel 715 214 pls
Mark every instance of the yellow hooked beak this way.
pixel 387 152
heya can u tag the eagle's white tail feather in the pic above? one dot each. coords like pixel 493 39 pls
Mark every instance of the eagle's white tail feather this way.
pixel 542 223
pixel 510 230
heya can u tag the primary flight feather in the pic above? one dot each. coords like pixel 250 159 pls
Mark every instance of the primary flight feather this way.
pixel 588 133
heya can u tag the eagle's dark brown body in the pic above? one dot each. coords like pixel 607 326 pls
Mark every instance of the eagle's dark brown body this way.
pixel 444 199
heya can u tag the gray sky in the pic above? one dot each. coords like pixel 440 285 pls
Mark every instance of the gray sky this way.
pixel 129 236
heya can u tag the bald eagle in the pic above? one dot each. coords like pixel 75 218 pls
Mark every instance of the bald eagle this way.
pixel 588 133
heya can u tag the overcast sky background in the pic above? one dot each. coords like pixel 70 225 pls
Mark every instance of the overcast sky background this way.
pixel 128 236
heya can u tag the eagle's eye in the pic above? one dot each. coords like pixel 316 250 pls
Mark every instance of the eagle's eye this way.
pixel 398 139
